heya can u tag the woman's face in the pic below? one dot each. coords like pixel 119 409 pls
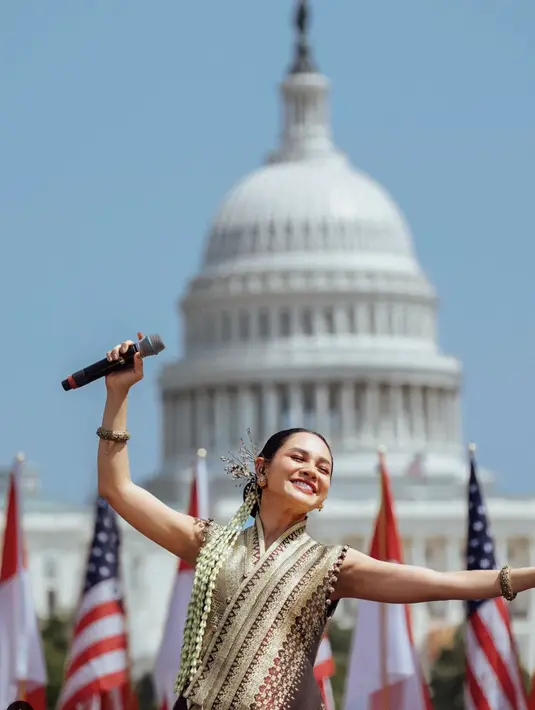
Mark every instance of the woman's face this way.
pixel 299 473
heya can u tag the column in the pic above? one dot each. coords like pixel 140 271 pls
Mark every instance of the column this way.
pixel 184 424
pixel 321 405
pixel 386 415
pixel 341 321
pixel 371 411
pixel 398 414
pixel 455 417
pixel 363 317
pixel 349 426
pixel 270 410
pixel 222 429
pixel 296 404
pixel 433 416
pixel 417 415
pixel 202 435
pixel 246 413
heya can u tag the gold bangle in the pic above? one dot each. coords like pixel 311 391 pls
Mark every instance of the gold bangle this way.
pixel 109 435
pixel 505 583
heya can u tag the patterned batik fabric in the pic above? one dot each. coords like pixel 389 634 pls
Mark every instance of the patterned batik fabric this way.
pixel 269 611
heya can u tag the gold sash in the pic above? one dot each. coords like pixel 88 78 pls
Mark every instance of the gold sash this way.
pixel 268 614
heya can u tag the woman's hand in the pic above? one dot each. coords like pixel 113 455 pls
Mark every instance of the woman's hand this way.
pixel 120 381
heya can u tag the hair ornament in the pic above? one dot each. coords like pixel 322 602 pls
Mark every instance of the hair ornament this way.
pixel 241 466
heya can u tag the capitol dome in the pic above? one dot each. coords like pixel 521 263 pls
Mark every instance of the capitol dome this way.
pixel 316 194
pixel 311 309
pixel 308 198
pixel 312 191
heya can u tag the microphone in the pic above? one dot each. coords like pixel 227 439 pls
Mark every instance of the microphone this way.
pixel 148 345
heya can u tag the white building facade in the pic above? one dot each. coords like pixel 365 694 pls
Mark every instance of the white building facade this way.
pixel 310 309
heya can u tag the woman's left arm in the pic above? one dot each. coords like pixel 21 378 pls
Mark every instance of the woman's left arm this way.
pixel 363 577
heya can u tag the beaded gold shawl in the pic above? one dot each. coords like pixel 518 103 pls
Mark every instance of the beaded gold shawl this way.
pixel 269 611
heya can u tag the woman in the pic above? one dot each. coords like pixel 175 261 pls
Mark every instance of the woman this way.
pixel 261 597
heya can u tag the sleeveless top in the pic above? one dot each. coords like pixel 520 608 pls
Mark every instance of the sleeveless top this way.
pixel 269 610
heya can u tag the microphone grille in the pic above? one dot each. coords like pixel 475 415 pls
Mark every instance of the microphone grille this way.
pixel 150 345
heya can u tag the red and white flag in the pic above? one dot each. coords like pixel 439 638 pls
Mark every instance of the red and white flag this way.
pixel 168 658
pixel 493 675
pixel 324 669
pixel 22 663
pixel 97 675
pixel 384 670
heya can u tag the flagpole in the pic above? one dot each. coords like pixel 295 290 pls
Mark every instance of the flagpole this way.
pixel 22 690
pixel 382 532
pixel 17 475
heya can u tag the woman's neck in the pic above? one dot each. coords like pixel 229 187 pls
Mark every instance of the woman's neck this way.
pixel 276 521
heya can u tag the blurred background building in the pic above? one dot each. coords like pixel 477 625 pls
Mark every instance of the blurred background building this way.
pixel 310 308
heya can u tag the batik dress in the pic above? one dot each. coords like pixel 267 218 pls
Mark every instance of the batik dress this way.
pixel 268 614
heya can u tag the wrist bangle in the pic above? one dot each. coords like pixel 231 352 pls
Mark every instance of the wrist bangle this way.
pixel 110 435
pixel 505 584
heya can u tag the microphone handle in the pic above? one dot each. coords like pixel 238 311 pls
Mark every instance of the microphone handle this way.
pixel 100 369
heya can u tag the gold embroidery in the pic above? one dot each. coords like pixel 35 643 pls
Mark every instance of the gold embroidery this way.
pixel 261 645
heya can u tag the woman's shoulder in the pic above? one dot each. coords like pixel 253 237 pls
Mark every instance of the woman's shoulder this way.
pixel 333 553
pixel 206 528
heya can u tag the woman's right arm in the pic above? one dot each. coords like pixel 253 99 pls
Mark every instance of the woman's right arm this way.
pixel 177 532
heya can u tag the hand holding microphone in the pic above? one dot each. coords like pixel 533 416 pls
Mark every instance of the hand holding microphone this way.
pixel 122 367
pixel 122 379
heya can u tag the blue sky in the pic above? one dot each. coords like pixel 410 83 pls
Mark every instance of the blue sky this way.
pixel 123 125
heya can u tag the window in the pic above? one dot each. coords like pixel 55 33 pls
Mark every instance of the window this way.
pixel 351 319
pixel 284 407
pixel 226 327
pixel 328 319
pixel 306 322
pixel 263 324
pixel 335 422
pixel 244 326
pixel 285 323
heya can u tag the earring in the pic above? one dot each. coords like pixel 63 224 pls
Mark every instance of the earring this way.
pixel 320 507
pixel 261 478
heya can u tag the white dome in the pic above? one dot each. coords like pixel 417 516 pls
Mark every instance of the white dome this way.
pixel 314 193
pixel 308 203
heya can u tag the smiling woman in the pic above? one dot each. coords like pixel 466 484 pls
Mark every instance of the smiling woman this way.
pixel 262 595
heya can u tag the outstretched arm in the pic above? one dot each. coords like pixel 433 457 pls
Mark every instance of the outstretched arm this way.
pixel 363 577
pixel 177 532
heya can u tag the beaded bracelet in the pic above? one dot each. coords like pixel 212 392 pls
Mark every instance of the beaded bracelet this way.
pixel 505 584
pixel 110 435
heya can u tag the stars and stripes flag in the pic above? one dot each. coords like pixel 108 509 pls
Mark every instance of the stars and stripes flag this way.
pixel 97 675
pixel 493 676
pixel 384 670
pixel 324 669
pixel 168 658
pixel 22 663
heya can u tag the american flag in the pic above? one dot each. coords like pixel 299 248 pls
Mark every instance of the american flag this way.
pixel 493 676
pixel 97 672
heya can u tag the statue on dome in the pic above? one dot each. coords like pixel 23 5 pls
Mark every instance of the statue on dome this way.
pixel 303 61
pixel 301 17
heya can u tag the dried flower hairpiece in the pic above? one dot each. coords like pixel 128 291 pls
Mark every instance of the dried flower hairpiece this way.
pixel 241 465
